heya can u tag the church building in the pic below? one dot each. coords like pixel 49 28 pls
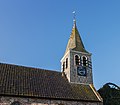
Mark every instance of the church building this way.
pixel 20 85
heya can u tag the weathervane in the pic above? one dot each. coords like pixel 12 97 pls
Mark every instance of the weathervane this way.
pixel 74 15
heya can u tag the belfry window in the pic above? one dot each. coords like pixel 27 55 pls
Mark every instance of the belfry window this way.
pixel 77 60
pixel 63 66
pixel 84 61
pixel 66 63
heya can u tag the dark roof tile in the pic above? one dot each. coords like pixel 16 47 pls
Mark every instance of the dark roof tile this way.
pixel 26 81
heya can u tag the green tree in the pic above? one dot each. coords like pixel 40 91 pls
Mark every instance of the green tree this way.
pixel 110 94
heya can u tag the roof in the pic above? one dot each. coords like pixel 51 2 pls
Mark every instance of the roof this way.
pixel 33 82
pixel 75 41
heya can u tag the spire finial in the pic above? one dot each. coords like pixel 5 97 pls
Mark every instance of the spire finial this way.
pixel 74 15
pixel 74 19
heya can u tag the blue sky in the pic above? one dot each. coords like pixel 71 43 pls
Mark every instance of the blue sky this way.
pixel 35 33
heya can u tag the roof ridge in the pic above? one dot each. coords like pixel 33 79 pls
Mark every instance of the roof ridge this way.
pixel 30 67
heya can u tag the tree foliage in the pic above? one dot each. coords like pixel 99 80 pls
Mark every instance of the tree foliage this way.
pixel 110 94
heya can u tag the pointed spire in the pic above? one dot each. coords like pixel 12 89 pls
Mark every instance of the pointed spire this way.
pixel 75 42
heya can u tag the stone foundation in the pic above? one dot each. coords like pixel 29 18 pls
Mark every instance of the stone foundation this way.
pixel 36 101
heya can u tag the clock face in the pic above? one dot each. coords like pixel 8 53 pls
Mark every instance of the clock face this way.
pixel 81 71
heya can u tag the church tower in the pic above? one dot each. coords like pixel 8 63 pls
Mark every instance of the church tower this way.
pixel 76 63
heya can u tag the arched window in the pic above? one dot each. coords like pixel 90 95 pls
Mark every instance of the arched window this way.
pixel 15 103
pixel 66 63
pixel 84 61
pixel 63 66
pixel 77 60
